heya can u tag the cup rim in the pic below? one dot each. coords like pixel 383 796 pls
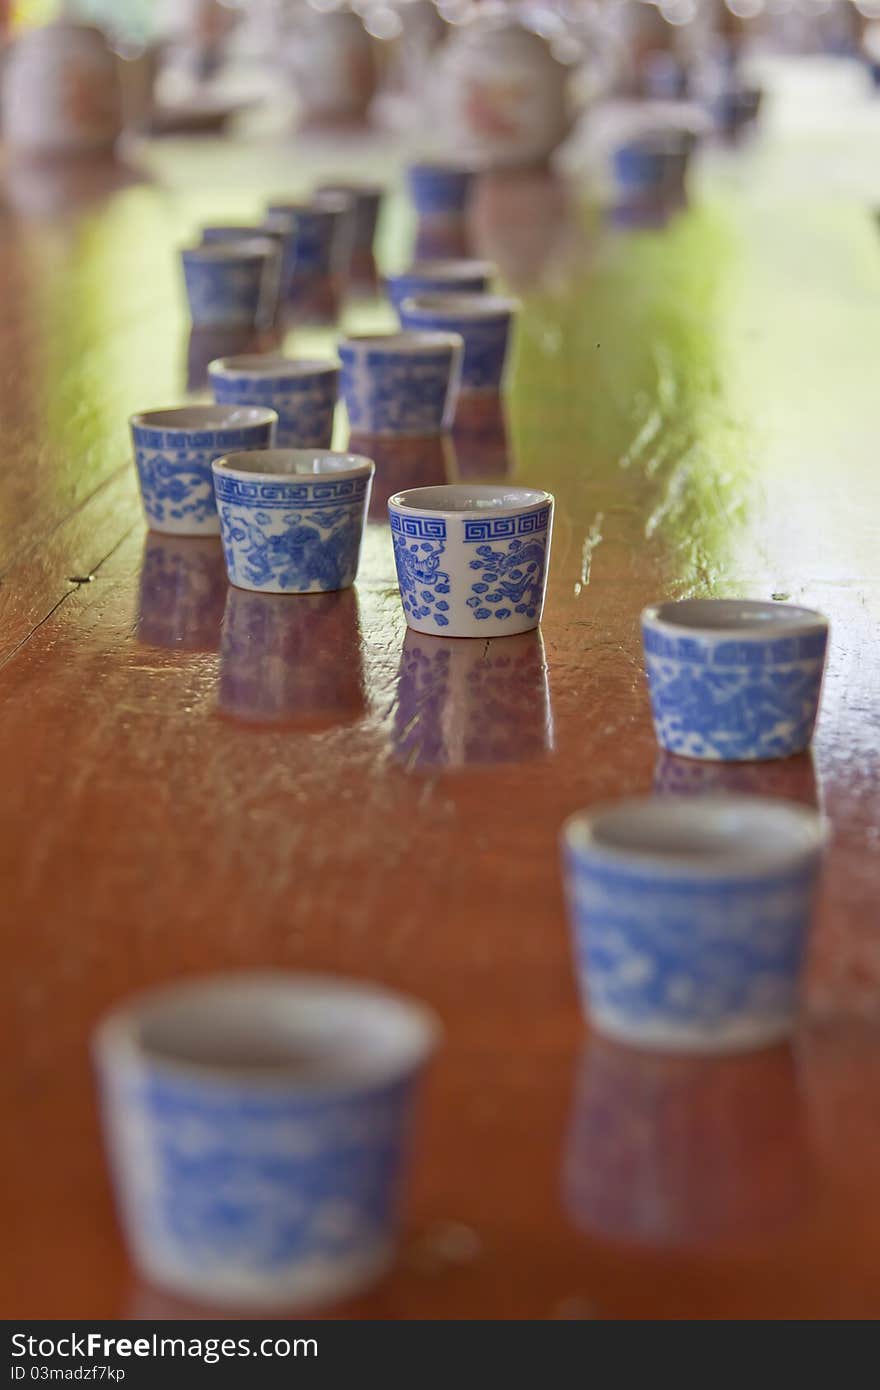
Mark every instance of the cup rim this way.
pixel 254 248
pixel 405 342
pixel 266 366
pixel 763 619
pixel 416 500
pixel 334 464
pixel 461 304
pixel 442 268
pixel 118 1038
pixel 217 417
pixel 803 831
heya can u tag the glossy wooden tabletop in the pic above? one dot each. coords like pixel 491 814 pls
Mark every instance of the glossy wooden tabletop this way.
pixel 194 778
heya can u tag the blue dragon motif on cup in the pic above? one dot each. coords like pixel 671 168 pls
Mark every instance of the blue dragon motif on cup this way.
pixel 395 392
pixel 174 470
pixel 419 543
pixel 486 339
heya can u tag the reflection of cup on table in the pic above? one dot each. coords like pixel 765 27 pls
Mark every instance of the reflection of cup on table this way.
pixel 481 440
pixel 256 1126
pixel 404 461
pixel 182 593
pixel 672 1151
pixel 295 661
pixel 461 703
pixel 792 779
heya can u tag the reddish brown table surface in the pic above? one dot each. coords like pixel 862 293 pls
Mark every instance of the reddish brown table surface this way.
pixel 702 399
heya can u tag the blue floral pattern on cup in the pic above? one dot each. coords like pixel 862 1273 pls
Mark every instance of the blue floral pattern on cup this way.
pixel 486 338
pixel 224 289
pixel 297 535
pixel 304 401
pixel 174 463
pixel 390 390
pixel 734 698
pixel 419 543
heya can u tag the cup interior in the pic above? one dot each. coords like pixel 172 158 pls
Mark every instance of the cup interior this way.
pixel 294 463
pixel 269 365
pixel 743 616
pixel 404 343
pixel 467 498
pixel 302 1031
pixel 196 418
pixel 726 834
pixel 462 305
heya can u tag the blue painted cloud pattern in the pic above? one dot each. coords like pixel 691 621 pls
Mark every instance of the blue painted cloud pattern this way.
pixel 232 1187
pixel 296 537
pixel 419 544
pixel 734 699
pixel 174 469
pixel 685 959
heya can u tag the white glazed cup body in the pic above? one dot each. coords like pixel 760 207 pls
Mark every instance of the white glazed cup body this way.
pixel 732 680
pixel 244 1180
pixel 174 450
pixel 691 916
pixel 472 561
pixel 292 520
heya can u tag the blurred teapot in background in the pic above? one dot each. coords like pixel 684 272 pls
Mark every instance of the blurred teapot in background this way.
pixel 333 62
pixel 60 92
pixel 501 95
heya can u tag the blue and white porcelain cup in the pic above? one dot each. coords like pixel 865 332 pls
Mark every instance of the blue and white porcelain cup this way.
pixel 439 189
pixel 233 283
pixel 734 680
pixel 400 383
pixel 484 322
pixel 472 559
pixel 174 450
pixel 319 234
pixel 256 1129
pixel 439 276
pixel 691 917
pixel 302 392
pixel 292 520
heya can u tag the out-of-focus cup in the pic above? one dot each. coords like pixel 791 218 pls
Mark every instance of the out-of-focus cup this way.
pixel 232 283
pixel 683 1152
pixel 400 383
pixel 174 450
pixel 461 704
pixel 734 680
pixel 302 392
pixel 318 232
pixel 292 663
pixel 366 201
pixel 439 189
pixel 292 520
pixel 483 321
pixel 440 275
pixel 256 1129
pixel 691 918
pixel 472 559
pixel 182 593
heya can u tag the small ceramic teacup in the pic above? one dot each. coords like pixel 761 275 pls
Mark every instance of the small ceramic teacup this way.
pixel 430 276
pixel 438 188
pixel 256 1129
pixel 318 233
pixel 472 560
pixel 484 322
pixel 232 283
pixel 174 450
pixel 691 917
pixel 401 383
pixel 734 680
pixel 292 520
pixel 366 200
pixel 302 392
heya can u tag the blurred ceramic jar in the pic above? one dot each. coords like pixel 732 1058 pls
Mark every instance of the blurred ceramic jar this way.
pixel 61 92
pixel 333 63
pixel 502 92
